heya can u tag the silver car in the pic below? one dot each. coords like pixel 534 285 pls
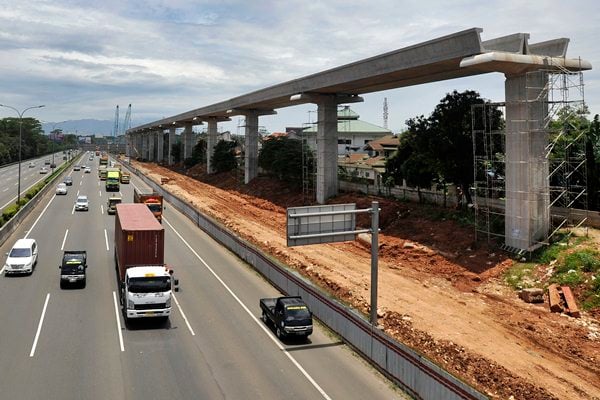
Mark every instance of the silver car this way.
pixel 61 188
pixel 81 204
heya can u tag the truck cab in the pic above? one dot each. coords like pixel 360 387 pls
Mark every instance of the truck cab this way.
pixel 147 292
pixel 73 269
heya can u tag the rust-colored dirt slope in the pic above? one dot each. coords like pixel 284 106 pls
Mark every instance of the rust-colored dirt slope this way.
pixel 439 292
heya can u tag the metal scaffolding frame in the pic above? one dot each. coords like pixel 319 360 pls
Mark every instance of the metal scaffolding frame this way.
pixel 562 97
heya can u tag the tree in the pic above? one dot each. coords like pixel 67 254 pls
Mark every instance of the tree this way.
pixel 198 154
pixel 176 151
pixel 592 152
pixel 282 157
pixel 223 158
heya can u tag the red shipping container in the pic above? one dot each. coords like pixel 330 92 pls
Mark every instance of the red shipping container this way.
pixel 139 238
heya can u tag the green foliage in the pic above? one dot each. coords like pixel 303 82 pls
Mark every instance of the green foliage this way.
pixel 282 157
pixel 550 253
pixel 10 211
pixel 177 151
pixel 587 260
pixel 570 278
pixel 520 276
pixel 198 154
pixel 223 158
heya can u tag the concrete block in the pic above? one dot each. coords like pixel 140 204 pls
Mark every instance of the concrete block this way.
pixel 554 299
pixel 573 310
pixel 532 295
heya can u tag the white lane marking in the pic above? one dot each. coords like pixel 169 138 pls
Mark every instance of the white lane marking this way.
pixel 256 320
pixel 73 210
pixel 118 321
pixel 5 190
pixel 39 216
pixel 120 194
pixel 106 239
pixel 16 184
pixel 102 209
pixel 100 192
pixel 98 183
pixel 183 315
pixel 78 193
pixel 64 240
pixel 39 329
pixel 22 191
pixel 2 271
pixel 80 183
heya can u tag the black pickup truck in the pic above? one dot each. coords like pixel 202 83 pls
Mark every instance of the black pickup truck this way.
pixel 72 269
pixel 290 316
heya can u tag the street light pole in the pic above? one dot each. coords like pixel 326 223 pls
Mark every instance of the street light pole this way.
pixel 20 114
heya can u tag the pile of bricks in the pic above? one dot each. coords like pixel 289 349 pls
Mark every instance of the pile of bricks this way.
pixel 164 180
pixel 561 300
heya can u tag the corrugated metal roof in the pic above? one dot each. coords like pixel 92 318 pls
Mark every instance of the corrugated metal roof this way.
pixel 137 217
pixel 354 126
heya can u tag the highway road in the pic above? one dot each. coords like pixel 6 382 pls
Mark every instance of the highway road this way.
pixel 73 344
pixel 29 177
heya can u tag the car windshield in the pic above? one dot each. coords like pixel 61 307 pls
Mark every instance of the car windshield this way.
pixel 154 207
pixel 20 253
pixel 73 267
pixel 149 285
pixel 297 312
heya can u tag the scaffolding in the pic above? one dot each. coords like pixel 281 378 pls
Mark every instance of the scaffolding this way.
pixel 562 168
pixel 309 174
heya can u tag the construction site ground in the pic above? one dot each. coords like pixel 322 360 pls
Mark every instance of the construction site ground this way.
pixel 440 292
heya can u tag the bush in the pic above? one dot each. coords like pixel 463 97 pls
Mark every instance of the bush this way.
pixel 10 211
pixel 587 260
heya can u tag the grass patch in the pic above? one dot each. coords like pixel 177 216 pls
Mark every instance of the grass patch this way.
pixel 520 276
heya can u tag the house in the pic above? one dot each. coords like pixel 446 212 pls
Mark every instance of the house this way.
pixel 384 146
pixel 353 133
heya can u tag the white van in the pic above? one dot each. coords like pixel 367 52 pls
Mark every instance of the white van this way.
pixel 22 258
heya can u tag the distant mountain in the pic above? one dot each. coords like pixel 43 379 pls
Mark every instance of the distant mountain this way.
pixel 82 127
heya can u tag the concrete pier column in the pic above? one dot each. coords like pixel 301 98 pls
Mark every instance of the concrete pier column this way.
pixel 145 146
pixel 160 153
pixel 327 137
pixel 251 152
pixel 152 147
pixel 188 140
pixel 211 142
pixel 172 139
pixel 527 170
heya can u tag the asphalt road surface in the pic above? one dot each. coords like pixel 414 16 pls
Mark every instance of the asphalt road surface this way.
pixel 73 343
pixel 29 177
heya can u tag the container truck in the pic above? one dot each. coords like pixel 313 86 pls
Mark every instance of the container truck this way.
pixel 103 159
pixel 145 282
pixel 113 177
pixel 153 200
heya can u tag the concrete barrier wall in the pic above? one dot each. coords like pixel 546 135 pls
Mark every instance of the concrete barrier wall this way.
pixel 418 376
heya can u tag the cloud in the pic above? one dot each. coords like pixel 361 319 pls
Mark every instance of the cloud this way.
pixel 170 56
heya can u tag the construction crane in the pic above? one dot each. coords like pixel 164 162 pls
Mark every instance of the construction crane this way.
pixel 126 120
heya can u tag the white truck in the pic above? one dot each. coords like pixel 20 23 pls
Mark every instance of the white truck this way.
pixel 145 282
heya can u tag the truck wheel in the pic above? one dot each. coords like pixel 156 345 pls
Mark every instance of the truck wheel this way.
pixel 279 333
pixel 62 285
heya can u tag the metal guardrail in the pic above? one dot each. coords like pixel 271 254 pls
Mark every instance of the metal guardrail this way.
pixel 414 373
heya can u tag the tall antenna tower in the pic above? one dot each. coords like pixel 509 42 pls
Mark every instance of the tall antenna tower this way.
pixel 385 113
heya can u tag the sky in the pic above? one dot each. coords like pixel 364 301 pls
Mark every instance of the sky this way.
pixel 165 57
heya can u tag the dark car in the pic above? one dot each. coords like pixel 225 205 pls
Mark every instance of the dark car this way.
pixel 73 268
pixel 68 181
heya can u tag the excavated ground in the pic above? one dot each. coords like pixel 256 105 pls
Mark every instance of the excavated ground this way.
pixel 439 291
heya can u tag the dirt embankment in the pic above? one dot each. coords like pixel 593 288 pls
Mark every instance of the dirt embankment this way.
pixel 440 292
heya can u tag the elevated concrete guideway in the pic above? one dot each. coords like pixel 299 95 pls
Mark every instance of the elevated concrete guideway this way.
pixel 456 55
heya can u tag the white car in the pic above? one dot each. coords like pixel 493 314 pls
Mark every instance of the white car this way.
pixel 81 204
pixel 61 188
pixel 22 258
pixel 31 164
pixel 43 170
pixel 87 170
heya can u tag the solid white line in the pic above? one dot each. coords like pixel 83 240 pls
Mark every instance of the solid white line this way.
pixel 183 315
pixel 64 240
pixel 256 320
pixel 39 329
pixel 39 216
pixel 102 209
pixel 118 322
pixel 106 239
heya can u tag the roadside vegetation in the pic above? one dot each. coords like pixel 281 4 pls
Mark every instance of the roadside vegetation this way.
pixel 572 261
